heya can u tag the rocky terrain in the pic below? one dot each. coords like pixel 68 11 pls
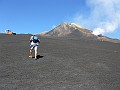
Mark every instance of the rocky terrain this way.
pixel 64 64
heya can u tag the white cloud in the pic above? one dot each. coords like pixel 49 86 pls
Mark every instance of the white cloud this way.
pixel 98 31
pixel 104 16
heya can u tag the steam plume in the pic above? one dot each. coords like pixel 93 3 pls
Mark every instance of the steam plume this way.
pixel 104 16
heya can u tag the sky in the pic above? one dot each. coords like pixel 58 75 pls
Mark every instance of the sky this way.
pixel 36 16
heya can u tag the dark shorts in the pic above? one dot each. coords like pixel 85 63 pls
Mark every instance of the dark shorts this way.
pixel 33 46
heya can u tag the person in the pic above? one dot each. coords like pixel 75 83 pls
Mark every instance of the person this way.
pixel 34 43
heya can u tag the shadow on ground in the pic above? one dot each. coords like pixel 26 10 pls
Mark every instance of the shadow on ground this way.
pixel 38 56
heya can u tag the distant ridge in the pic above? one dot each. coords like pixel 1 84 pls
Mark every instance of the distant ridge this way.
pixel 75 31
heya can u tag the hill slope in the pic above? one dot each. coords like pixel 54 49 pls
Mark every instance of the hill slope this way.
pixel 71 31
pixel 66 64
pixel 78 32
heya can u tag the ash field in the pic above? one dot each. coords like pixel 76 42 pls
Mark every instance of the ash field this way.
pixel 64 64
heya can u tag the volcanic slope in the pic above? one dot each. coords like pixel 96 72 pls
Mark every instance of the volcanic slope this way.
pixel 75 31
pixel 65 64
pixel 70 30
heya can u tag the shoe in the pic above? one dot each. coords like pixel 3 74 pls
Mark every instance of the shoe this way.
pixel 30 56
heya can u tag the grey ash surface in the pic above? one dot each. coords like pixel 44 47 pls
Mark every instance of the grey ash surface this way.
pixel 65 64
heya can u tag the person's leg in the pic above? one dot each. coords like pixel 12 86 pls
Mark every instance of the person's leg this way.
pixel 30 53
pixel 36 51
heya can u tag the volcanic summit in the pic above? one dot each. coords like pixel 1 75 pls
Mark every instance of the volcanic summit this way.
pixel 77 32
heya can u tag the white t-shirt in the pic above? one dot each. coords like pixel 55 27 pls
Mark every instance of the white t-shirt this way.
pixel 32 43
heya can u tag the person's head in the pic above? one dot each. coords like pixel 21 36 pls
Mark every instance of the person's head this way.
pixel 33 35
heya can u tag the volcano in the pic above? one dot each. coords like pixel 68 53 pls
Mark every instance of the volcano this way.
pixel 70 30
pixel 74 31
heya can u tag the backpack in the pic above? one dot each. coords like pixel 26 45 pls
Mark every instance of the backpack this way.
pixel 35 39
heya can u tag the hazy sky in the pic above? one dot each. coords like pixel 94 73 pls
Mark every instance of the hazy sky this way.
pixel 36 16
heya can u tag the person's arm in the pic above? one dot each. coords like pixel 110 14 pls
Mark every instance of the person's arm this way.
pixel 31 38
pixel 39 40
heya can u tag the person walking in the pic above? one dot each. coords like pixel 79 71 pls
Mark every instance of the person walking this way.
pixel 34 43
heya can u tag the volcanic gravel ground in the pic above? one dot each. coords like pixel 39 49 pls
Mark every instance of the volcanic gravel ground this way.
pixel 63 64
